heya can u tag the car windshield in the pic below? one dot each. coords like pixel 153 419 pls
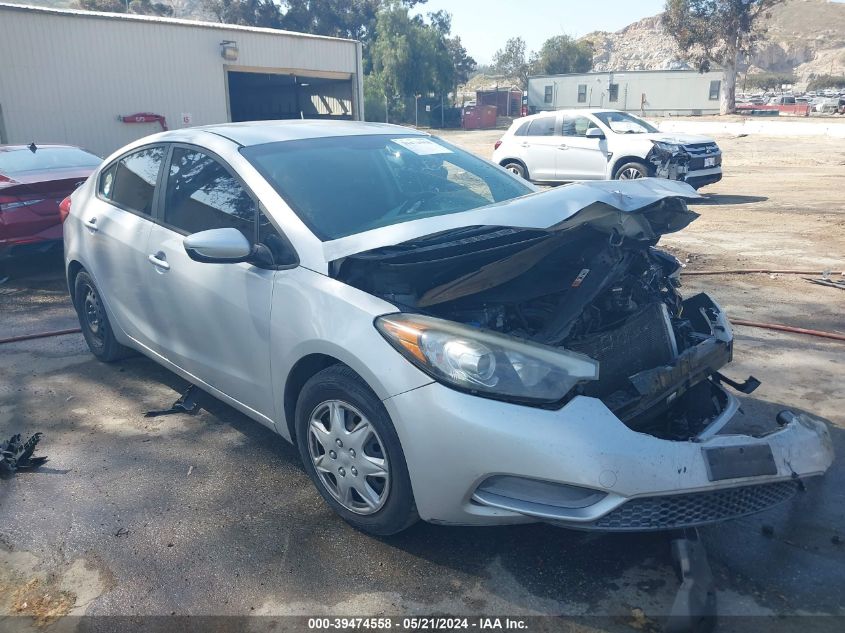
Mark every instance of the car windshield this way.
pixel 344 185
pixel 624 123
pixel 20 161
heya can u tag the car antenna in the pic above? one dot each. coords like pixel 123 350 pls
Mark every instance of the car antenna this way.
pixel 33 147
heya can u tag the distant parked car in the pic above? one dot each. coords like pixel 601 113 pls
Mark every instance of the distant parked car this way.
pixel 34 179
pixel 782 100
pixel 589 144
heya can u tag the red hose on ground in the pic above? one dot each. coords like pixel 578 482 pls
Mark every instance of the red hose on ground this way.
pixel 29 337
pixel 789 328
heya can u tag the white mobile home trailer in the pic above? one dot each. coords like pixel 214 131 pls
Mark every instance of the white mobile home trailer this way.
pixel 76 76
pixel 654 92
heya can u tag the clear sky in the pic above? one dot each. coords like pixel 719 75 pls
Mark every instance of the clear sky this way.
pixel 485 25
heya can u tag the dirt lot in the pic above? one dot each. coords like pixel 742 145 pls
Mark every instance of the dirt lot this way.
pixel 213 515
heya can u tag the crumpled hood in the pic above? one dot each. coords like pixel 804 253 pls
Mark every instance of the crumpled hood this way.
pixel 679 139
pixel 612 206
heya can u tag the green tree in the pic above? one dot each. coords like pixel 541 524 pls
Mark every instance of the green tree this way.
pixel 511 61
pixel 563 54
pixel 409 57
pixel 821 82
pixel 717 32
pixel 138 7
pixel 767 81
pixel 246 12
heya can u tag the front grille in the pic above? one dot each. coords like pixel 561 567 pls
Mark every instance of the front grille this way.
pixel 698 163
pixel 697 508
pixel 699 151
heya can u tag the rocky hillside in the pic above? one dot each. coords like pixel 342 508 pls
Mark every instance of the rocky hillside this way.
pixel 806 37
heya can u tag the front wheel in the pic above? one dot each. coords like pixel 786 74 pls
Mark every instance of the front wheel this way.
pixel 352 452
pixel 632 171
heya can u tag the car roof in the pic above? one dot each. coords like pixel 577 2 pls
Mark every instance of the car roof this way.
pixel 15 148
pixel 260 132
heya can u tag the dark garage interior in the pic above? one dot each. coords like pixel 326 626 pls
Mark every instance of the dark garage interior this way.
pixel 263 96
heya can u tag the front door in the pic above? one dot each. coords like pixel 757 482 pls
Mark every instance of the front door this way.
pixel 213 319
pixel 580 157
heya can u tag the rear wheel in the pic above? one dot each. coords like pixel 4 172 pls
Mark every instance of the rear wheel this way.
pixel 352 452
pixel 632 171
pixel 517 168
pixel 93 321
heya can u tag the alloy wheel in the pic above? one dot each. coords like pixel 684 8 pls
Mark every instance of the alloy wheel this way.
pixel 630 174
pixel 349 457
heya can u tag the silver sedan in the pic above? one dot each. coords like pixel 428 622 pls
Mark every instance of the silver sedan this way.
pixel 439 339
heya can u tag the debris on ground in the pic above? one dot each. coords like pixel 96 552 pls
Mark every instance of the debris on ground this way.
pixel 187 403
pixel 827 281
pixel 16 455
pixel 44 604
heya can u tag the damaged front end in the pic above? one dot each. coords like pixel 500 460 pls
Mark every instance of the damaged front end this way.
pixel 669 160
pixel 589 290
pixel 577 315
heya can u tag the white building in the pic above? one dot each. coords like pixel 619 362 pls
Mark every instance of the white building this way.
pixel 71 76
pixel 650 92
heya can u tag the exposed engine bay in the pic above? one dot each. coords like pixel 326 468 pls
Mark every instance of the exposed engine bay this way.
pixel 585 289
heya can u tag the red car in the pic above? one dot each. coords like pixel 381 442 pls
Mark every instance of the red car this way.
pixel 33 182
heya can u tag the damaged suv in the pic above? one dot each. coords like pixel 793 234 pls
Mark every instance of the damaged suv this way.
pixel 591 144
pixel 439 339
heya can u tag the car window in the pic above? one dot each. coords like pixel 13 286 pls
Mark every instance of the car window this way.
pixel 278 245
pixel 368 181
pixel 201 194
pixel 16 162
pixel 576 125
pixel 133 181
pixel 624 123
pixel 522 130
pixel 542 126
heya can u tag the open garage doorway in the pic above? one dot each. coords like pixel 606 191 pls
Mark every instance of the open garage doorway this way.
pixel 260 96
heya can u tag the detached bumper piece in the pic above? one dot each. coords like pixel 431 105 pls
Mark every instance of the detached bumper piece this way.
pixel 694 509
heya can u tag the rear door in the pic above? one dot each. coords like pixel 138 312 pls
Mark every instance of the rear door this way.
pixel 579 157
pixel 118 221
pixel 212 320
pixel 539 147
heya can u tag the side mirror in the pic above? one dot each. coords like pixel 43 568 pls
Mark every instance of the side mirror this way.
pixel 218 246
pixel 594 132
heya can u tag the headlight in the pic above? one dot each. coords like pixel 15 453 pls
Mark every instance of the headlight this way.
pixel 672 148
pixel 486 363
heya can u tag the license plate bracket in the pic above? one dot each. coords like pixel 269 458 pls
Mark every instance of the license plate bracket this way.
pixel 710 162
pixel 730 462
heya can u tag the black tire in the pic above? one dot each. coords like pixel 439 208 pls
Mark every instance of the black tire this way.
pixel 93 320
pixel 630 167
pixel 340 383
pixel 517 168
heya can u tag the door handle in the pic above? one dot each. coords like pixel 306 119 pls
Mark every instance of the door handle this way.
pixel 159 261
pixel 563 146
pixel 525 145
pixel 91 223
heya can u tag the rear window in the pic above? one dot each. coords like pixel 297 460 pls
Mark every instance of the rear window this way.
pixel 343 185
pixel 21 161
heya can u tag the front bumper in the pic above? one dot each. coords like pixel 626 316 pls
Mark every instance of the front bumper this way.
pixel 455 442
pixel 703 177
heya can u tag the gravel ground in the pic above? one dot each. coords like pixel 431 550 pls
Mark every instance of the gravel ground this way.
pixel 213 515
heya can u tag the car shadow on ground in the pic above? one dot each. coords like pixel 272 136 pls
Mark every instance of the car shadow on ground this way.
pixel 724 199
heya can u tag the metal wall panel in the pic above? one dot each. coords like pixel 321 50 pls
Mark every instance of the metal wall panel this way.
pixel 666 92
pixel 65 76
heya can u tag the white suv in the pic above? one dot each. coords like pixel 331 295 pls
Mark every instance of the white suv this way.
pixel 591 144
